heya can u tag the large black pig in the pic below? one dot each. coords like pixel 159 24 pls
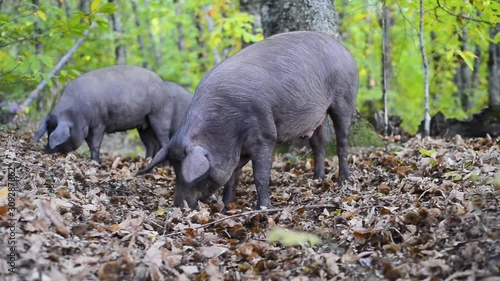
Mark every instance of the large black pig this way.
pixel 112 99
pixel 270 92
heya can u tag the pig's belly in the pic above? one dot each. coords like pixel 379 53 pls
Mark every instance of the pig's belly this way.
pixel 300 126
pixel 126 123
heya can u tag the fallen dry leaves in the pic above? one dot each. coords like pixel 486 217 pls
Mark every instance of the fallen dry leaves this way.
pixel 425 209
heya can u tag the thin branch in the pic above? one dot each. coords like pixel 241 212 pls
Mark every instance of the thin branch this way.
pixel 16 18
pixel 255 212
pixel 461 16
pixel 9 71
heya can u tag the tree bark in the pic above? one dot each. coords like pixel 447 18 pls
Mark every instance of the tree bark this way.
pixel 83 6
pixel 386 62
pixel 494 71
pixel 279 16
pixel 121 49
pixel 290 15
pixel 463 75
pixel 436 59
pixel 427 117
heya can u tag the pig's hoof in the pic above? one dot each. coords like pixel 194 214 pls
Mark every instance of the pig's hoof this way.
pixel 264 206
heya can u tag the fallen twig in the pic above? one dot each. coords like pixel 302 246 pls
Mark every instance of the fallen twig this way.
pixel 293 209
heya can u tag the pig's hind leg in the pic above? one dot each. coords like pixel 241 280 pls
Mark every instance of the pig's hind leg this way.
pixel 318 143
pixel 342 119
pixel 148 137
pixel 160 123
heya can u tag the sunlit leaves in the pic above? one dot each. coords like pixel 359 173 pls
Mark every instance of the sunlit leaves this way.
pixel 426 152
pixel 292 238
pixel 41 15
pixel 94 6
pixel 468 57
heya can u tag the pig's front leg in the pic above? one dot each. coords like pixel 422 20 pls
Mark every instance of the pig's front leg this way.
pixel 230 187
pixel 318 143
pixel 94 140
pixel 262 162
pixel 342 125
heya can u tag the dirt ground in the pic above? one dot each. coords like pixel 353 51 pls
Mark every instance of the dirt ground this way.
pixel 426 209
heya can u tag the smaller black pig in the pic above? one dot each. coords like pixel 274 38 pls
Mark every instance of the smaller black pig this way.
pixel 271 92
pixel 113 99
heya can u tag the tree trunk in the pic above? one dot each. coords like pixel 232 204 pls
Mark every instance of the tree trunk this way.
pixel 140 38
pixel 154 50
pixel 463 75
pixel 279 16
pixel 181 45
pixel 120 50
pixel 427 116
pixel 436 59
pixel 343 8
pixel 386 61
pixel 252 7
pixel 494 71
pixel 290 15
pixel 38 50
pixel 83 6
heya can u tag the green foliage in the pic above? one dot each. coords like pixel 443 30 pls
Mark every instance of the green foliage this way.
pixel 23 27
pixel 426 152
pixel 362 134
pixel 178 44
pixel 292 238
pixel 362 34
pixel 496 180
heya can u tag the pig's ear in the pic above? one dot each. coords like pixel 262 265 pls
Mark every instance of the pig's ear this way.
pixel 59 135
pixel 195 165
pixel 41 131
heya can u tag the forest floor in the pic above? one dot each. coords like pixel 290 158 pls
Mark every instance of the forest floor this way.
pixel 426 209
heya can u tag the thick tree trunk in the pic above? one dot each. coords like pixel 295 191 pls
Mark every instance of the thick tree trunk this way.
pixel 494 71
pixel 121 49
pixel 290 15
pixel 280 16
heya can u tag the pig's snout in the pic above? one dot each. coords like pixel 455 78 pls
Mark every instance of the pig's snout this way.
pixel 180 197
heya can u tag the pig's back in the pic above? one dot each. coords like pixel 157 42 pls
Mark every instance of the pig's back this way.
pixel 115 84
pixel 293 77
pixel 117 94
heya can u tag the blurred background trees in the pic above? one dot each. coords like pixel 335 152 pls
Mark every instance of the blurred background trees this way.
pixel 182 39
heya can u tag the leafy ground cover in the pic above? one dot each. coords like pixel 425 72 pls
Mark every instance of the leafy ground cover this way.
pixel 426 209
